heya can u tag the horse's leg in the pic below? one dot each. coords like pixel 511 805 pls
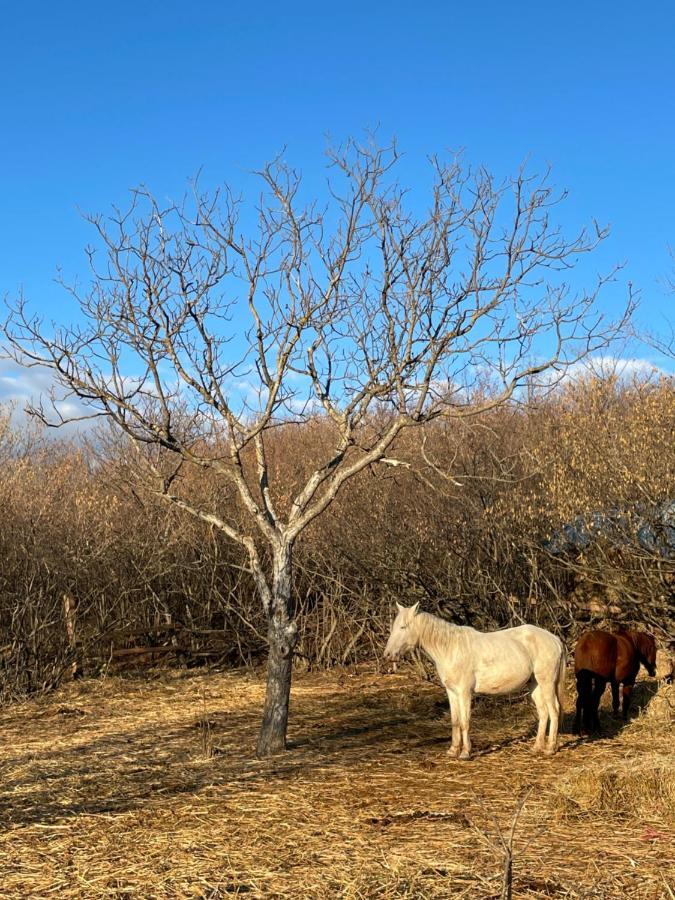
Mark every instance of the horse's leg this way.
pixel 464 721
pixel 593 722
pixel 584 690
pixel 589 702
pixel 627 695
pixel 456 744
pixel 540 703
pixel 576 728
pixel 553 708
pixel 615 697
pixel 599 685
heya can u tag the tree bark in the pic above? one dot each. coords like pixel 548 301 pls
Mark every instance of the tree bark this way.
pixel 282 634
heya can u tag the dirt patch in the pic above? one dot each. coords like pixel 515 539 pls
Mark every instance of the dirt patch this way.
pixel 404 818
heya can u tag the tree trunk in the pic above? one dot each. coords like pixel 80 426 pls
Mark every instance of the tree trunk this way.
pixel 282 634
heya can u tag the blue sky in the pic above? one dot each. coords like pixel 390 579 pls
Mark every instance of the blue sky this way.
pixel 97 98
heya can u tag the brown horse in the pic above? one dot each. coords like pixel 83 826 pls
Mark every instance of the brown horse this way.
pixel 600 657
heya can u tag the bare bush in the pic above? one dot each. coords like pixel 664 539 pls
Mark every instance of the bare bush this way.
pixel 474 546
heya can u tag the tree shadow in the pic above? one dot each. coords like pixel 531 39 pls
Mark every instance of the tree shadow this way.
pixel 133 767
pixel 348 737
pixel 97 777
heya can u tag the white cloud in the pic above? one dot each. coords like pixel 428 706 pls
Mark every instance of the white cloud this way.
pixel 23 387
pixel 604 366
pixel 19 384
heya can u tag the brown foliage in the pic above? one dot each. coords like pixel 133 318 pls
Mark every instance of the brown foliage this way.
pixel 464 531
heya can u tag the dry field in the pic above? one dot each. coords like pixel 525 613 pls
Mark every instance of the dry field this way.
pixel 146 788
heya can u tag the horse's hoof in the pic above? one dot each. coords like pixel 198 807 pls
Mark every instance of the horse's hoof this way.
pixel 453 752
pixel 538 748
pixel 549 751
pixel 464 755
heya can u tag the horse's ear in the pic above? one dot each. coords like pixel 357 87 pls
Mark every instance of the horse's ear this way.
pixel 415 608
pixel 399 607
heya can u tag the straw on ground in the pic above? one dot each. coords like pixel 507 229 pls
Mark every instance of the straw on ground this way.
pixel 107 791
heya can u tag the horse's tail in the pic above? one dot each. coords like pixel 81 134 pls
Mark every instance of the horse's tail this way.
pixel 560 679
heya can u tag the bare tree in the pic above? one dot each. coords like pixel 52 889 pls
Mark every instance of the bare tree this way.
pixel 195 340
pixel 661 339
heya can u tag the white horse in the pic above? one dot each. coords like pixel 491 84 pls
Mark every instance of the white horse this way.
pixel 474 662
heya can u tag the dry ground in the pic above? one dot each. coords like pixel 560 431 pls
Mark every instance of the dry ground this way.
pixel 146 788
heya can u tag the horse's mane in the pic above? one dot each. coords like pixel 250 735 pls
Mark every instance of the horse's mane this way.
pixel 643 641
pixel 434 632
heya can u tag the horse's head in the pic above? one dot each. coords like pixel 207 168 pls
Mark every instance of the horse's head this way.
pixel 646 648
pixel 401 637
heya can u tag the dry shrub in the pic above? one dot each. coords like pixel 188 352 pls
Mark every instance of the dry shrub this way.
pixel 637 788
pixel 470 546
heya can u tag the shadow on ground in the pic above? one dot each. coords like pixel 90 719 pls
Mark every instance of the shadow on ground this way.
pixel 611 726
pixel 95 763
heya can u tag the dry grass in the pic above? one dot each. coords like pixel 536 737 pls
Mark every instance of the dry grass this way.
pixel 636 788
pixel 639 785
pixel 142 788
pixel 660 712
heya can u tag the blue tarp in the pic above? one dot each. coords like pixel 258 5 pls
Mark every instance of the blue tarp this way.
pixel 652 529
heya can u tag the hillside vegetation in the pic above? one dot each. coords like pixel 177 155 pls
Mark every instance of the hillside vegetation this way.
pixel 474 520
